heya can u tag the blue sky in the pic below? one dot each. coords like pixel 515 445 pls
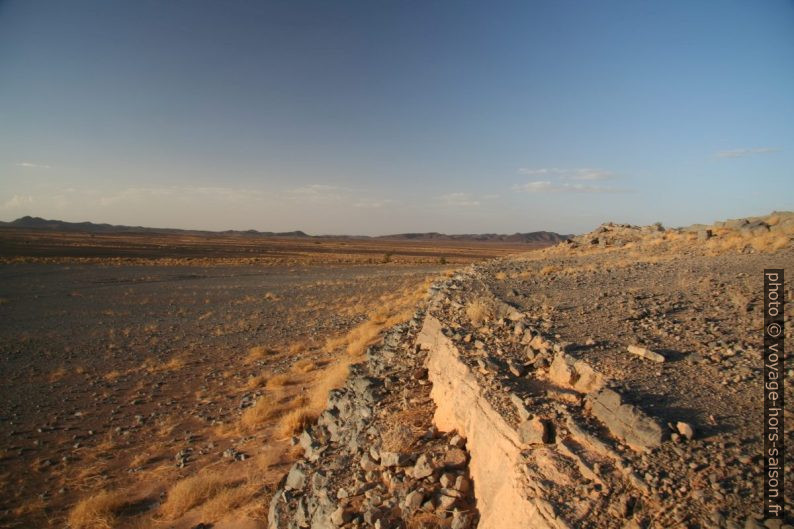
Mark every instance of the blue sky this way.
pixel 380 117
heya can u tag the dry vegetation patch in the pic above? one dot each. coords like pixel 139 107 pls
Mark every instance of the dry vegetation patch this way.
pixel 304 366
pixel 279 381
pixel 57 374
pixel 190 492
pixel 295 421
pixel 257 353
pixel 229 498
pixel 264 409
pixel 176 362
pixel 99 511
pixel 394 308
pixel 405 430
pixel 478 310
pixel 257 381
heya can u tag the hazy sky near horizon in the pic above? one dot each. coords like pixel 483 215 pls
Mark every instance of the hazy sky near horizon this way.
pixel 365 117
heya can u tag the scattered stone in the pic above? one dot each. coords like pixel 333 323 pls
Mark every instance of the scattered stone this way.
pixel 455 458
pixel 646 353
pixel 420 373
pixel 341 516
pixel 461 520
pixel 462 484
pixel 234 454
pixel 457 441
pixel 394 459
pixel 516 369
pixel 561 372
pixel 296 478
pixel 534 431
pixel 367 463
pixel 414 499
pixel 685 429
pixel 423 467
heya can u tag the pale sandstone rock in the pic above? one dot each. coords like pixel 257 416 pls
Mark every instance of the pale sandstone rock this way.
pixel 502 494
pixel 646 353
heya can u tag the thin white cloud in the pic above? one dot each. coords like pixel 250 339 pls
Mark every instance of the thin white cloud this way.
pixel 374 203
pixel 176 193
pixel 31 165
pixel 583 174
pixel 547 186
pixel 459 200
pixel 535 186
pixel 17 202
pixel 136 194
pixel 741 153
pixel 316 193
pixel 557 180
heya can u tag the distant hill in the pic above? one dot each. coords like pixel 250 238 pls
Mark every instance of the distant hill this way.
pixel 531 237
pixel 37 223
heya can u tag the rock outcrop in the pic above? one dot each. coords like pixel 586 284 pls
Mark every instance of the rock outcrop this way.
pixel 525 425
pixel 374 459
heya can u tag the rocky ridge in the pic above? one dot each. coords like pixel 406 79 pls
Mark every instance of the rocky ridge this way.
pixel 591 386
pixel 374 459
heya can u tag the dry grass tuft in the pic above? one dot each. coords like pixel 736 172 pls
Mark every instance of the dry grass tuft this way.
pixel 191 492
pixel 770 242
pixel 279 381
pixel 57 375
pixel 227 500
pixel 226 430
pixel 259 413
pixel 733 241
pixel 295 421
pixel 296 348
pixel 34 506
pixel 257 381
pixel 304 366
pixel 257 353
pixel 333 343
pixel 175 363
pixel 477 311
pixel 425 520
pixel 331 377
pixel 97 512
pixel 404 431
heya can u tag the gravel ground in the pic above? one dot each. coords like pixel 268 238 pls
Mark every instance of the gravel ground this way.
pixel 105 363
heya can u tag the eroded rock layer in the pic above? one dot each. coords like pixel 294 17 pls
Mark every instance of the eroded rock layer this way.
pixel 610 382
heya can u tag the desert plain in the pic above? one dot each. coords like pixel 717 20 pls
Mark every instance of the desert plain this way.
pixel 131 361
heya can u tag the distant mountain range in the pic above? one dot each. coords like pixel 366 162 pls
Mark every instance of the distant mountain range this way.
pixel 37 223
pixel 531 237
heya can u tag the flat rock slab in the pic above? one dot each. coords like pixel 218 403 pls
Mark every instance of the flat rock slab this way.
pixel 626 421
